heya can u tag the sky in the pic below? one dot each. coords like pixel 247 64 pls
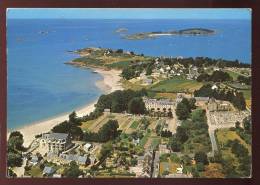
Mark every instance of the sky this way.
pixel 129 13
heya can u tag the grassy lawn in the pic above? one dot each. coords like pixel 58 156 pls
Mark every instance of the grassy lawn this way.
pixel 134 125
pixel 223 135
pixel 144 139
pixel 155 142
pixel 247 94
pixel 85 125
pixel 232 74
pixel 177 84
pixel 35 171
pixel 166 95
pixel 128 85
pixel 168 166
pixel 119 65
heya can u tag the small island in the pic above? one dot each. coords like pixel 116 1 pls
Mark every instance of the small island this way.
pixel 185 32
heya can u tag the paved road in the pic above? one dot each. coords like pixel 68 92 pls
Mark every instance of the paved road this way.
pixel 211 134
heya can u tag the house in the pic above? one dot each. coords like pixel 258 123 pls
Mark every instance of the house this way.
pixel 147 81
pixel 47 171
pixel 55 142
pixel 87 147
pixel 80 160
pixel 215 105
pixel 214 87
pixel 158 105
pixel 179 170
pixel 136 141
pixel 34 160
pixel 56 175
pixel 106 110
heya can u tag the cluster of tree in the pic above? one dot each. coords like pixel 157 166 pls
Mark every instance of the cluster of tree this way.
pixel 73 170
pixel 241 152
pixel 166 133
pixel 235 97
pixel 136 106
pixel 244 79
pixel 192 129
pixel 107 132
pixel 216 76
pixel 119 101
pixel 245 132
pixel 71 127
pixel 184 108
pixel 136 69
pixel 15 149
pixel 105 150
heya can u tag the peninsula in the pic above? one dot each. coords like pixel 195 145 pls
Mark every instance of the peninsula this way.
pixel 167 117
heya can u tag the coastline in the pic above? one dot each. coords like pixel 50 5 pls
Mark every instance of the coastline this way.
pixel 109 83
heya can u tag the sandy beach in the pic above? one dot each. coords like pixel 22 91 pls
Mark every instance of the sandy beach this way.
pixel 109 84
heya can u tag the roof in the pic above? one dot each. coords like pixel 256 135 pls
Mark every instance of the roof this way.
pixel 87 145
pixel 77 158
pixel 57 136
pixel 34 158
pixel 48 170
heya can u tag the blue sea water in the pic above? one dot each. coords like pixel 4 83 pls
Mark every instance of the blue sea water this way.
pixel 40 85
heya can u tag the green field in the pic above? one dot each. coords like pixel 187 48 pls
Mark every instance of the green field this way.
pixel 134 125
pixel 144 139
pixel 232 74
pixel 155 142
pixel 177 84
pixel 247 94
pixel 119 65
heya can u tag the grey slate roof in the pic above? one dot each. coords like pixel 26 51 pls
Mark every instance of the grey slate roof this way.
pixel 48 170
pixel 58 136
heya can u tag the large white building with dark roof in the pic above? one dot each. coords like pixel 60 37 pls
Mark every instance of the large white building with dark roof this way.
pixel 159 105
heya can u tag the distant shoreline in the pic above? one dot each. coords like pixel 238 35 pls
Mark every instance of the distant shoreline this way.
pixel 109 84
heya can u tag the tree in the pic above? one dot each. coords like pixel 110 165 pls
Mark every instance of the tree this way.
pixel 15 141
pixel 200 167
pixel 133 161
pixel 73 170
pixel 109 130
pixel 175 144
pixel 247 124
pixel 213 170
pixel 158 129
pixel 203 77
pixel 181 134
pixel 105 150
pixel 14 159
pixel 170 114
pixel 199 115
pixel 136 106
pixel 182 111
pixel 237 124
pixel 201 157
pixel 192 102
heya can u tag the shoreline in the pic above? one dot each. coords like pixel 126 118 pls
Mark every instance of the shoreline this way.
pixel 109 83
